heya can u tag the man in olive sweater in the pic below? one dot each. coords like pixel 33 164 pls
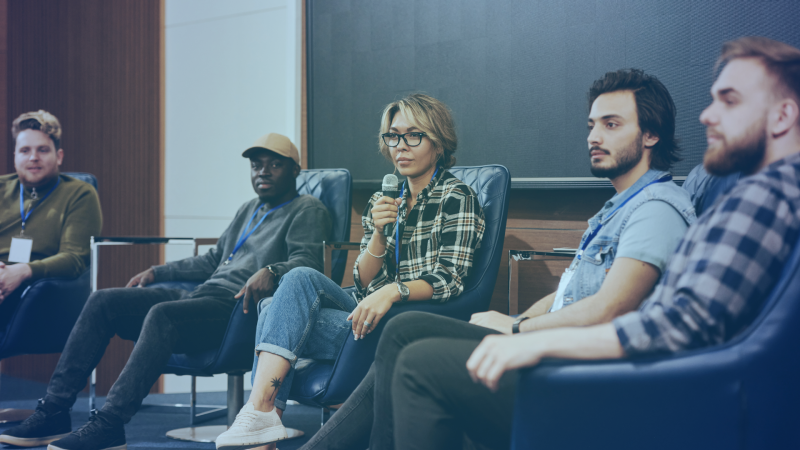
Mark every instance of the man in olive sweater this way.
pixel 49 237
pixel 269 236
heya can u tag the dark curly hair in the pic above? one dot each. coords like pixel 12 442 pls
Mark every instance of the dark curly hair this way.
pixel 654 106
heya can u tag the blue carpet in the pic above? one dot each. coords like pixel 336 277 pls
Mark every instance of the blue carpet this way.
pixel 147 430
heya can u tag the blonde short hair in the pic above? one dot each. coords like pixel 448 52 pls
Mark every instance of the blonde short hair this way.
pixel 429 115
pixel 40 120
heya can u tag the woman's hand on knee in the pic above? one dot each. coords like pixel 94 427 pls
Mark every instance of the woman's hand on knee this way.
pixel 371 310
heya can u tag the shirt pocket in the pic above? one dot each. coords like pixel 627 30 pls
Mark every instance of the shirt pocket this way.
pixel 597 260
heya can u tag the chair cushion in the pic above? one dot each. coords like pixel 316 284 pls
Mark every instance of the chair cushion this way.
pixel 704 189
pixel 332 187
pixel 85 177
pixel 310 379
pixel 46 314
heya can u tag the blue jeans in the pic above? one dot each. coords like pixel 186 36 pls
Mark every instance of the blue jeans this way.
pixel 306 318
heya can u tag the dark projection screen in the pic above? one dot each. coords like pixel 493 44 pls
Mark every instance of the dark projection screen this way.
pixel 514 73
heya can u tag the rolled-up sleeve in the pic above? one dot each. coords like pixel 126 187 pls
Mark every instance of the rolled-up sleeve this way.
pixel 381 277
pixel 456 237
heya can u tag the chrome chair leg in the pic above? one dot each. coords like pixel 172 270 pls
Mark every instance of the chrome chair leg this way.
pixel 326 414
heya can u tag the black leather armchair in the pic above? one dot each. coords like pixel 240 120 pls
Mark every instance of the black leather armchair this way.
pixel 235 354
pixel 741 394
pixel 325 383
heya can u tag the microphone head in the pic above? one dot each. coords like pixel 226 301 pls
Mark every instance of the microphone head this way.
pixel 389 183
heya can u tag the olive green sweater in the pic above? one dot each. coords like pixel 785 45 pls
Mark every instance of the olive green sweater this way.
pixel 60 226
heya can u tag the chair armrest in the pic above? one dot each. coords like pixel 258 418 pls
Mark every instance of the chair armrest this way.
pixel 696 395
pixel 48 309
pixel 328 253
pixel 101 241
pixel 234 355
pixel 139 239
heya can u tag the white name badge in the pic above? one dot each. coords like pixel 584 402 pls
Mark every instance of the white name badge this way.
pixel 558 303
pixel 20 249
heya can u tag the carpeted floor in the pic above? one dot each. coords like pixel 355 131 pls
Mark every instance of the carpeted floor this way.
pixel 147 430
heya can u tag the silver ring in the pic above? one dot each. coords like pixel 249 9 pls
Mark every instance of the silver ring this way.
pixel 367 324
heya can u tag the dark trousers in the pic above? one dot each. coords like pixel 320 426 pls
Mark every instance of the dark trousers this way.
pixel 161 321
pixel 10 304
pixel 419 395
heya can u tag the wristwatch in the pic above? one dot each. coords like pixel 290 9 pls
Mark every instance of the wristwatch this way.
pixel 274 273
pixel 403 290
pixel 515 327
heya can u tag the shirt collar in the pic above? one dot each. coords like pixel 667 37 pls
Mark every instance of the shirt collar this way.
pixel 426 192
pixel 648 177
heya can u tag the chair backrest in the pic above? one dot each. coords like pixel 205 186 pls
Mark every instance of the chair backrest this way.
pixel 492 183
pixel 770 363
pixel 332 187
pixel 705 189
pixel 85 177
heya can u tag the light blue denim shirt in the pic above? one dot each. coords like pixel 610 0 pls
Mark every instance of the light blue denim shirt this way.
pixel 651 235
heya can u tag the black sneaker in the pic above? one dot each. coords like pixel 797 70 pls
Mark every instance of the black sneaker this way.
pixel 47 424
pixel 103 431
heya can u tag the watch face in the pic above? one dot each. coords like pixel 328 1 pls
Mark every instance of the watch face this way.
pixel 404 289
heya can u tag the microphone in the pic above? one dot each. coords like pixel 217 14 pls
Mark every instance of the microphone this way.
pixel 390 189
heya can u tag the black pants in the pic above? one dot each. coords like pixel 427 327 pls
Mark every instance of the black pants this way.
pixel 419 395
pixel 161 321
pixel 10 304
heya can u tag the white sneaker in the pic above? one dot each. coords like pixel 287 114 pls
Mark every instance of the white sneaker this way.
pixel 251 429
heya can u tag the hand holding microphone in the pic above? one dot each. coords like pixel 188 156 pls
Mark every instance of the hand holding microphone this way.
pixel 384 212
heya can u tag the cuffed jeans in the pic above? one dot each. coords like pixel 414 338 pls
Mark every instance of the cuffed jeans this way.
pixel 419 395
pixel 306 318
pixel 161 321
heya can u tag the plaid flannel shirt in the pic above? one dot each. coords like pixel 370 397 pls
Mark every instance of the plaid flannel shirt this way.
pixel 440 236
pixel 723 269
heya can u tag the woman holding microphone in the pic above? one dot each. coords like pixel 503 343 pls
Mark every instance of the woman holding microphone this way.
pixel 437 224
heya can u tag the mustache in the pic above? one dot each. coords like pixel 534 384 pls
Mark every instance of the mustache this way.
pixel 597 148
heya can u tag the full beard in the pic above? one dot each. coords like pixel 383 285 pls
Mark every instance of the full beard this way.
pixel 741 155
pixel 625 160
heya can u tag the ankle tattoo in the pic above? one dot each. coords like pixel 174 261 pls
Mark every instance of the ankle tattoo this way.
pixel 276 384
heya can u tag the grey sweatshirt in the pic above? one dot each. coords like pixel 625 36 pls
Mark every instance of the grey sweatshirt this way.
pixel 289 237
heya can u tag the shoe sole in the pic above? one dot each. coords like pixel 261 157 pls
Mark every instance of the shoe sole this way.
pixel 118 447
pixel 263 439
pixel 30 442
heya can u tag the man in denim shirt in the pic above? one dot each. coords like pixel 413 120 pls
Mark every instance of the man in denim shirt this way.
pixel 625 248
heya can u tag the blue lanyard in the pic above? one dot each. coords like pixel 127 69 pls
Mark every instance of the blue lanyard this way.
pixel 22 202
pixel 397 242
pixel 246 234
pixel 594 232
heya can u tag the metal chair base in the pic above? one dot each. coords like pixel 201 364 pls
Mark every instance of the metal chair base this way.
pixel 210 433
pixel 10 415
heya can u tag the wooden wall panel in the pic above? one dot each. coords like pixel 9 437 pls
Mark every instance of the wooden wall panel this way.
pixel 97 65
pixel 537 220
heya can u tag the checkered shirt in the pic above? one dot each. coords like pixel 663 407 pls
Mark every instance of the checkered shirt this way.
pixel 440 236
pixel 723 269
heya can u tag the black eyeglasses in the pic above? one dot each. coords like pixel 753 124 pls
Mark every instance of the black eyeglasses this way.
pixel 393 139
